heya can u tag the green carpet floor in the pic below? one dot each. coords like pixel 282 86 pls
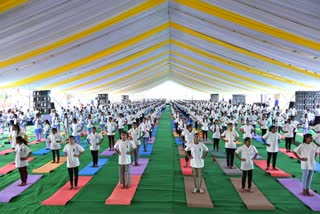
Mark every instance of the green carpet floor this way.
pixel 161 189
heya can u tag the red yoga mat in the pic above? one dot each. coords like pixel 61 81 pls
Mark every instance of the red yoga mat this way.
pixel 7 151
pixel 262 164
pixel 185 170
pixel 121 196
pixel 289 154
pixel 64 195
pixel 10 167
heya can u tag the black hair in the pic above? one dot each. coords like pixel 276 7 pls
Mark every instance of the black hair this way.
pixel 21 139
pixel 306 136
pixel 271 127
pixel 247 139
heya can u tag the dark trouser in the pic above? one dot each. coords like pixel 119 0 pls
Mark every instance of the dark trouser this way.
pixel 94 154
pixel 23 174
pixel 244 178
pixel 263 131
pixel 274 159
pixel 111 141
pixel 176 127
pixel 278 129
pixel 150 134
pixel 136 155
pixel 129 126
pixel 254 129
pixel 120 132
pixel 230 156
pixel 216 143
pixel 189 154
pixel 54 153
pixel 196 125
pixel 288 143
pixel 73 172
pixel 294 137
pixel 224 128
pixel 205 134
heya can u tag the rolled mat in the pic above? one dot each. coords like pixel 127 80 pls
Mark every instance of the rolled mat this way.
pixel 196 200
pixel 181 151
pixel 49 167
pixel 7 151
pixel 148 152
pixel 262 164
pixel 64 195
pixel 253 200
pixel 41 151
pixel 11 166
pixel 219 154
pixel 178 141
pixel 295 187
pixel 223 165
pixel 89 170
pixel 138 170
pixel 289 154
pixel 121 196
pixel 107 152
pixel 36 142
pixel 152 140
pixel 14 190
pixel 185 170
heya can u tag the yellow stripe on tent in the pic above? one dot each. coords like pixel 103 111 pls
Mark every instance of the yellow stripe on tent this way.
pixel 6 5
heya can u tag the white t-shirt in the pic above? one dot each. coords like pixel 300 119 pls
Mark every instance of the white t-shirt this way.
pixel 22 151
pixel 111 127
pixel 145 127
pixel 216 130
pixel 93 140
pixel 307 151
pixel 188 136
pixel 231 137
pixel 55 140
pixel 197 152
pixel 205 125
pixel 121 122
pixel 71 150
pixel 247 153
pixel 273 140
pixel 135 134
pixel 124 147
pixel 289 129
pixel 76 129
pixel 247 131
pixel 264 123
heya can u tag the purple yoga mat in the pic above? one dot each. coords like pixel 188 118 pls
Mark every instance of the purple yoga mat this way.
pixel 14 190
pixel 138 170
pixel 107 152
pixel 152 140
pixel 295 187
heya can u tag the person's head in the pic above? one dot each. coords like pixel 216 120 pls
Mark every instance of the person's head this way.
pixel 16 128
pixel 247 122
pixel 230 126
pixel 20 140
pixel 135 125
pixel 293 118
pixel 289 121
pixel 74 120
pixel 189 127
pixel 307 138
pixel 305 115
pixel 94 130
pixel 47 122
pixel 196 138
pixel 89 116
pixel 124 135
pixel 71 139
pixel 11 122
pixel 264 116
pixel 216 122
pixel 54 130
pixel 247 141
pixel 272 129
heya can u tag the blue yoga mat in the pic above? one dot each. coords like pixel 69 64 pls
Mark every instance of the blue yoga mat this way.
pixel 258 138
pixel 41 151
pixel 317 166
pixel 148 152
pixel 178 141
pixel 88 170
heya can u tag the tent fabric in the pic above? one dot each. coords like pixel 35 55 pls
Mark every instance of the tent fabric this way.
pixel 131 45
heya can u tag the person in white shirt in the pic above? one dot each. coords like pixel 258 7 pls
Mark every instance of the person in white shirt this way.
pixel 76 130
pixel 124 148
pixel 136 135
pixel 197 152
pixel 277 121
pixel 145 127
pixel 23 122
pixel 216 130
pixel 247 152
pixel 15 132
pixel 288 129
pixel 111 129
pixel 66 124
pixel 224 119
pixel 204 128
pixel 121 123
pixel 38 127
pixel 56 122
pixel 230 137
pixel 247 130
pixel 305 124
pixel 264 123
pixel 73 151
pixel 55 140
pixel 272 140
pixel 253 121
pixel 129 119
pixel 46 132
pixel 102 121
pixel 295 124
pixel 94 140
pixel 188 138
pixel 22 153
pixel 306 153
pixel 90 123
pixel 317 115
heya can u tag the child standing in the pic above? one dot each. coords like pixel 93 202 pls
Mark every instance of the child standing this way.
pixel 73 152
pixel 46 132
pixel 188 136
pixel 247 150
pixel 230 137
pixel 94 140
pixel 111 129
pixel 23 152
pixel 55 140
pixel 197 153
pixel 216 130
pixel 37 126
pixel 136 135
pixel 76 130
pixel 205 127
pixel 272 139
pixel 288 129
pixel 124 148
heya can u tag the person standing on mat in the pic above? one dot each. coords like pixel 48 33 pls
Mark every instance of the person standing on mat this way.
pixel 76 130
pixel 247 151
pixel 73 151
pixel 111 129
pixel 272 140
pixel 216 130
pixel 306 153
pixel 145 127
pixel 188 136
pixel 230 137
pixel 204 128
pixel 55 140
pixel 247 130
pixel 136 135
pixel 94 140
pixel 197 152
pixel 22 152
pixel 288 129
pixel 124 148
pixel 264 123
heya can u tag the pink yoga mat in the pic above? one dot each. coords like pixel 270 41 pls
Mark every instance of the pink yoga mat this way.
pixel 10 167
pixel 138 170
pixel 289 154
pixel 7 151
pixel 36 142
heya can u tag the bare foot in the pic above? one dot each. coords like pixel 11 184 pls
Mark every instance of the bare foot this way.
pixel 76 187
pixel 242 190
pixel 22 184
pixel 70 188
pixel 309 194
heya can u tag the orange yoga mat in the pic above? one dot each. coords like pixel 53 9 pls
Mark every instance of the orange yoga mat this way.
pixel 10 167
pixel 185 170
pixel 64 195
pixel 289 154
pixel 262 164
pixel 175 134
pixel 181 151
pixel 48 167
pixel 121 196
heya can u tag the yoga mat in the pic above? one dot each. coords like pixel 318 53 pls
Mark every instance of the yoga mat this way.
pixel 121 196
pixel 262 164
pixel 258 138
pixel 7 151
pixel 107 152
pixel 138 170
pixel 196 200
pixel 207 141
pixel 11 166
pixel 89 170
pixel 148 152
pixel 289 154
pixel 152 140
pixel 317 167
pixel 223 164
pixel 178 141
pixel 295 187
pixel 181 151
pixel 36 142
pixel 49 167
pixel 185 170
pixel 14 190
pixel 175 134
pixel 254 200
pixel 63 195
pixel 219 154
pixel 43 151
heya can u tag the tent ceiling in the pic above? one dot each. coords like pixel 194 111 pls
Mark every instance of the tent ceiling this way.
pixel 129 46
